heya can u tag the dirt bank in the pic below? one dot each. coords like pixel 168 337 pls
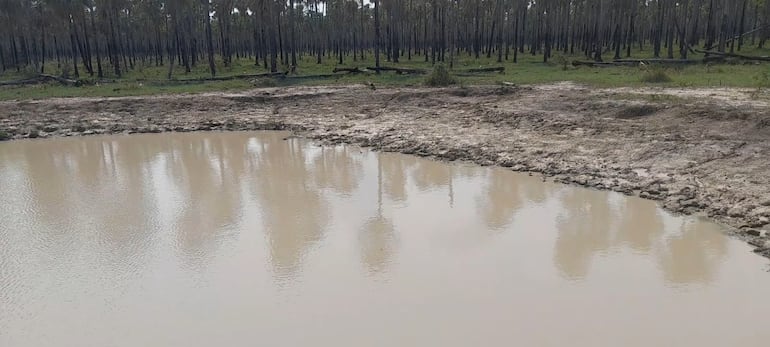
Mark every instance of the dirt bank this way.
pixel 695 151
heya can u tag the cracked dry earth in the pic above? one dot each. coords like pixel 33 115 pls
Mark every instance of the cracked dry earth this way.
pixel 696 151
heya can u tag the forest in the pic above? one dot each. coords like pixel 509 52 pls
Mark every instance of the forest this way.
pixel 108 38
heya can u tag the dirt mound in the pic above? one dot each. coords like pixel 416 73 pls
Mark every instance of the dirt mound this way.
pixel 636 111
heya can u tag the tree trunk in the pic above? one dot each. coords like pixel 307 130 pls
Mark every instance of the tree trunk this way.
pixel 209 39
pixel 292 43
pixel 42 54
pixel 741 26
pixel 99 71
pixel 114 51
pixel 74 46
pixel 377 35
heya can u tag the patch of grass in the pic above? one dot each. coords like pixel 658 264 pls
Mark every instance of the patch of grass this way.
pixel 663 98
pixel 656 75
pixel 119 88
pixel 145 79
pixel 711 68
pixel 440 77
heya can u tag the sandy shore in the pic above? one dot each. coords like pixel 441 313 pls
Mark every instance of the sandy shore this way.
pixel 696 151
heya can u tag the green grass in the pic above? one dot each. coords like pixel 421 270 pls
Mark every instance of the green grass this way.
pixel 149 79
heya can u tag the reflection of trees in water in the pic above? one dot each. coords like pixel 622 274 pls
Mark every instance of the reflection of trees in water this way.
pixel 85 171
pixel 131 206
pixel 535 191
pixel 337 169
pixel 394 172
pixel 48 171
pixel 429 174
pixel 377 239
pixel 377 243
pixel 583 231
pixel 90 190
pixel 206 172
pixel 109 183
pixel 640 225
pixel 691 256
pixel 501 199
pixel 425 173
pixel 295 214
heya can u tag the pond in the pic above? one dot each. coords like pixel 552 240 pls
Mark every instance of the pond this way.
pixel 256 239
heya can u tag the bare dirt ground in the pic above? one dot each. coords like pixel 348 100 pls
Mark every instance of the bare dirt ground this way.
pixel 697 151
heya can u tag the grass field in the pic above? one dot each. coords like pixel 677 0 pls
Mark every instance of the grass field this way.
pixel 151 79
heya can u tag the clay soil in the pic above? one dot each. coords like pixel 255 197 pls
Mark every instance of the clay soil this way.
pixel 696 151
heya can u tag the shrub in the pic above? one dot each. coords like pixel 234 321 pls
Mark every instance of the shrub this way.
pixel 66 71
pixel 4 136
pixel 763 80
pixel 440 77
pixel 562 61
pixel 656 76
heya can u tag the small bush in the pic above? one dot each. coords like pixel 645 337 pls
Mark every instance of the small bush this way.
pixel 656 76
pixel 66 71
pixel 440 77
pixel 763 80
pixel 562 61
pixel 4 136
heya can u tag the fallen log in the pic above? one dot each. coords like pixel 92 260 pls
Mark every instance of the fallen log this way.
pixel 307 77
pixel 597 63
pixel 20 82
pixel 219 78
pixel 656 61
pixel 708 48
pixel 210 79
pixel 485 69
pixel 635 62
pixel 43 78
pixel 399 70
pixel 62 80
pixel 350 70
pixel 733 55
pixel 235 77
pixel 714 59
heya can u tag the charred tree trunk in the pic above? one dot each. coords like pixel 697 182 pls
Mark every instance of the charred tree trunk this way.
pixel 209 39
pixel 377 35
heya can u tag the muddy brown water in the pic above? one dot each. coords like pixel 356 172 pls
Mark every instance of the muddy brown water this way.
pixel 245 239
